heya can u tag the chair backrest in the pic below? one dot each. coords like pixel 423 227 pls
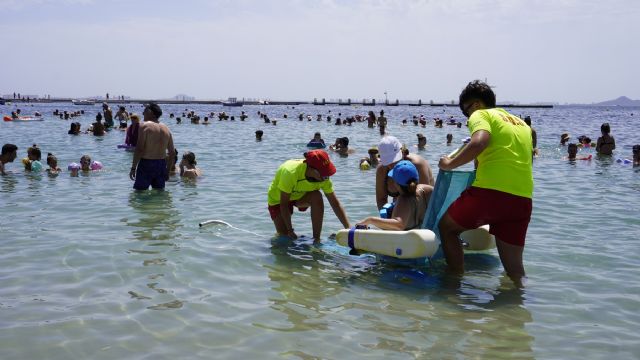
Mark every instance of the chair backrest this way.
pixel 449 185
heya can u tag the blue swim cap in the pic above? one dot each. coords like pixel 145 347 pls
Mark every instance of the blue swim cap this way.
pixel 404 172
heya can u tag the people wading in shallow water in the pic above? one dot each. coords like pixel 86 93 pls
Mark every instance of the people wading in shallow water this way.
pixel 501 193
pixel 155 153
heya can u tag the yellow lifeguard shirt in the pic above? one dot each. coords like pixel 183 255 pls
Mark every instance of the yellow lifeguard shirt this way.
pixel 506 164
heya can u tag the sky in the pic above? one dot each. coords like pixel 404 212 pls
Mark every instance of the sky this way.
pixel 564 51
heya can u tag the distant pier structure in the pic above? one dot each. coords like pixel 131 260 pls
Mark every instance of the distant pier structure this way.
pixel 316 101
pixel 419 102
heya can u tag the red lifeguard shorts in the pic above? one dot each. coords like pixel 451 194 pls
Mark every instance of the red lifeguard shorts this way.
pixel 274 210
pixel 508 215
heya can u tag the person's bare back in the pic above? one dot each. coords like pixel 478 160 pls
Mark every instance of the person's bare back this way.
pixel 154 141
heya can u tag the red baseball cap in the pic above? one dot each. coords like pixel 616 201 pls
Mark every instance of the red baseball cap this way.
pixel 319 160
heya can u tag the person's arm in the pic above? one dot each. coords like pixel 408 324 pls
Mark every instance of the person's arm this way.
pixel 137 154
pixel 479 141
pixel 598 144
pixel 172 154
pixel 337 208
pixel 613 141
pixel 286 215
pixel 181 167
pixel 381 190
pixel 127 135
pixel 398 221
pixel 384 224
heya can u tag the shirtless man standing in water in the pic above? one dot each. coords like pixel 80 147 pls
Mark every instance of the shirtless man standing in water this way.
pixel 154 153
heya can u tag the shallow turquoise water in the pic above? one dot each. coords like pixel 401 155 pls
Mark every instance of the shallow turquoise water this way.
pixel 91 269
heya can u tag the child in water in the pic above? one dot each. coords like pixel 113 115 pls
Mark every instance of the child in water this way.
pixel 572 151
pixel 86 164
pixel 52 161
pixel 422 141
pixel 188 167
pixel 367 163
pixel 32 161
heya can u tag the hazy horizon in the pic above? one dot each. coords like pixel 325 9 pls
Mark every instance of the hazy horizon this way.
pixel 567 51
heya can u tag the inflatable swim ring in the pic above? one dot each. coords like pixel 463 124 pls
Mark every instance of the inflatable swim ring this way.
pixel 316 145
pixel 22 118
pixel 36 166
pixel 95 165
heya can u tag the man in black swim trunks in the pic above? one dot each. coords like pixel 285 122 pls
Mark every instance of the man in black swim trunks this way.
pixel 154 153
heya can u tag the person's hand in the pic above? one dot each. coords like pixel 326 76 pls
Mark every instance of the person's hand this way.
pixel 363 223
pixel 445 163
pixel 292 234
pixel 132 174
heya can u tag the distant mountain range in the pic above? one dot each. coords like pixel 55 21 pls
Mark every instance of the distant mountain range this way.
pixel 621 101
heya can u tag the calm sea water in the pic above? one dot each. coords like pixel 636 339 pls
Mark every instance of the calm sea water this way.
pixel 91 269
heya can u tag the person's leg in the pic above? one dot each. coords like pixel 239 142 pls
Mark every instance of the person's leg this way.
pixel 279 224
pixel 511 258
pixel 159 173
pixel 451 246
pixel 511 233
pixel 142 181
pixel 314 200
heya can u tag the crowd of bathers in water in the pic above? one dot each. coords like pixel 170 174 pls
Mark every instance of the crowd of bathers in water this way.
pixel 604 145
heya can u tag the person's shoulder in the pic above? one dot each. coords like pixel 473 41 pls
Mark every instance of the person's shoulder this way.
pixel 424 188
pixel 416 159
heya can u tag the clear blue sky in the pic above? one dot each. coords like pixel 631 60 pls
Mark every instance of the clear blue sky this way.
pixel 535 50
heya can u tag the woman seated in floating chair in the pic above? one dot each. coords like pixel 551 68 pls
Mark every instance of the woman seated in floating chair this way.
pixel 411 204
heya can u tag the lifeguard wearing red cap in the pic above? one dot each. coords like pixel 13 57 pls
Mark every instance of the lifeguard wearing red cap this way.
pixel 319 160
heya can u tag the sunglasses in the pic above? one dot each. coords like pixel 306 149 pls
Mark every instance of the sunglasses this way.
pixel 465 109
pixel 322 178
